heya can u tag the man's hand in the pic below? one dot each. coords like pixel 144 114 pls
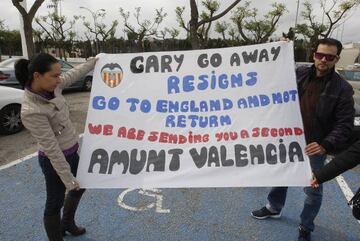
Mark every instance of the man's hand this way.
pixel 314 149
pixel 314 183
pixel 284 39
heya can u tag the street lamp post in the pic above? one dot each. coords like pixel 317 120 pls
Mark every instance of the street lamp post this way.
pixel 1 38
pixel 56 5
pixel 95 15
pixel 297 11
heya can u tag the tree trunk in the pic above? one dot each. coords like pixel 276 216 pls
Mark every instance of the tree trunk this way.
pixel 312 47
pixel 60 52
pixel 97 51
pixel 195 43
pixel 194 25
pixel 28 31
pixel 27 19
pixel 140 44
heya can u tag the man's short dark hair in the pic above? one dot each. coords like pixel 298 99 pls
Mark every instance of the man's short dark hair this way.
pixel 331 42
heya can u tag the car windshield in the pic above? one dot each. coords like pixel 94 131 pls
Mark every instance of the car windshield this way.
pixel 9 63
pixel 65 66
pixel 351 75
pixel 300 64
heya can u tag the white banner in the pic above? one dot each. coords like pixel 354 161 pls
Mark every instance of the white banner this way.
pixel 225 117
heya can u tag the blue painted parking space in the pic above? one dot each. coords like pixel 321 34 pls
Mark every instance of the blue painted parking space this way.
pixel 352 178
pixel 183 214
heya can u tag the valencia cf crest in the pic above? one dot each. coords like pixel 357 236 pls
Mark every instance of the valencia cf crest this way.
pixel 112 74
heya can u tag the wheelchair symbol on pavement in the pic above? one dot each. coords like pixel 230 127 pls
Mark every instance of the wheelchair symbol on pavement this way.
pixel 154 193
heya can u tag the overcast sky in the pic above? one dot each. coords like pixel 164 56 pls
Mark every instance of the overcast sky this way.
pixel 349 33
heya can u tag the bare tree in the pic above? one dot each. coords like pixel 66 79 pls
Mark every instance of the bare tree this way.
pixel 27 19
pixel 337 11
pixel 146 27
pixel 41 40
pixel 93 29
pixel 174 33
pixel 57 29
pixel 99 28
pixel 198 27
pixel 106 32
pixel 221 27
pixel 233 33
pixel 212 6
pixel 312 30
pixel 254 30
pixel 162 33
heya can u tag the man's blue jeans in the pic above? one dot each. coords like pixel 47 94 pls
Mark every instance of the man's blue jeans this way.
pixel 277 197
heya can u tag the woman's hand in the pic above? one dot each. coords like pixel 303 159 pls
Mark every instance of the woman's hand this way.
pixel 99 56
pixel 314 183
pixel 74 185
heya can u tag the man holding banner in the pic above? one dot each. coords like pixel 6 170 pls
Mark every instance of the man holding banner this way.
pixel 327 110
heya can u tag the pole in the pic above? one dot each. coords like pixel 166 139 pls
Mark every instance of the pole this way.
pixel 342 31
pixel 297 11
pixel 22 32
pixel 60 8
pixel 323 14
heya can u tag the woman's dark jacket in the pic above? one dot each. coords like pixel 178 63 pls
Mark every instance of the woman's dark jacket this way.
pixel 341 163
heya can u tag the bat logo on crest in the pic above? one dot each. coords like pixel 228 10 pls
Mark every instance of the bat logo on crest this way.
pixel 112 74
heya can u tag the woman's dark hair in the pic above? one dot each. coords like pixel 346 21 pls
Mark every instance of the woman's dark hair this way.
pixel 25 69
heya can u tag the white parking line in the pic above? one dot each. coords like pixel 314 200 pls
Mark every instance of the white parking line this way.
pixel 345 189
pixel 13 163
pixel 25 158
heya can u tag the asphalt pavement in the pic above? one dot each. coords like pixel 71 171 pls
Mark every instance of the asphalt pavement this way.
pixel 170 214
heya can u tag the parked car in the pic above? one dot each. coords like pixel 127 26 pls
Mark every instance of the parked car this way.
pixel 352 76
pixel 300 64
pixel 10 107
pixel 356 130
pixel 7 75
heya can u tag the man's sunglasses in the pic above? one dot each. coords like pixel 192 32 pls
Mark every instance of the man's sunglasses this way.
pixel 328 57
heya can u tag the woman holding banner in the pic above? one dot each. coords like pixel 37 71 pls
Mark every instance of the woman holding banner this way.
pixel 341 163
pixel 45 114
